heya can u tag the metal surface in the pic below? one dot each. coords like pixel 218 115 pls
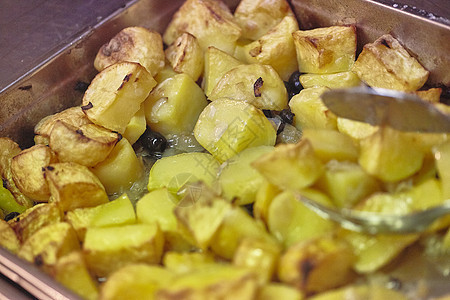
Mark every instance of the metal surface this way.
pixel 29 277
pixel 381 107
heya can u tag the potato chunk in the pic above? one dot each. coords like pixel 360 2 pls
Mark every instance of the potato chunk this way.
pixel 186 56
pixel 256 84
pixel 86 145
pixel 174 105
pixel 133 44
pixel 217 63
pixel 309 110
pixel 8 238
pixel 73 186
pixel 47 245
pixel 326 50
pixel 211 22
pixel 386 64
pixel 26 168
pixel 116 93
pixel 109 248
pixel 238 181
pixel 34 218
pixel 120 170
pixel 276 48
pixel 332 81
pixel 257 17
pixel 317 265
pixel 290 166
pixel 226 127
pixel 136 282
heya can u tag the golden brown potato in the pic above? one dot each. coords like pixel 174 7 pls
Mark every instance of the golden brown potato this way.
pixel 73 186
pixel 109 248
pixel 276 48
pixel 47 245
pixel 135 282
pixel 317 265
pixel 290 166
pixel 431 95
pixel 72 272
pixel 133 44
pixel 8 238
pixel 257 17
pixel 9 149
pixel 33 219
pixel 186 56
pixel 386 64
pixel 73 116
pixel 259 85
pixel 26 169
pixel 212 281
pixel 86 145
pixel 210 21
pixel 116 93
pixel 326 50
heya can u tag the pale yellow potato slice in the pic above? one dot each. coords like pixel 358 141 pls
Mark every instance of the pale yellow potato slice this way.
pixel 226 127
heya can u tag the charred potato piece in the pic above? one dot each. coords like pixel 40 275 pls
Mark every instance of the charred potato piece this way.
pixel 326 50
pixel 9 149
pixel 317 265
pixel 276 48
pixel 386 64
pixel 116 93
pixel 210 21
pixel 186 56
pixel 26 168
pixel 133 44
pixel 257 84
pixel 34 218
pixel 73 116
pixel 47 245
pixel 74 186
pixel 86 145
pixel 257 17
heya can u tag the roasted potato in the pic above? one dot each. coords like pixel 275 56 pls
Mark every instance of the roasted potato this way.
pixel 116 93
pixel 133 44
pixel 386 64
pixel 257 17
pixel 8 238
pixel 186 56
pixel 214 24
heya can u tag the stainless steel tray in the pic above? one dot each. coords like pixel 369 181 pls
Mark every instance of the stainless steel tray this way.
pixel 56 81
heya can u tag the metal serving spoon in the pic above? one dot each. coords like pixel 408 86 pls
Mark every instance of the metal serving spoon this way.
pixel 380 107
pixel 374 223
